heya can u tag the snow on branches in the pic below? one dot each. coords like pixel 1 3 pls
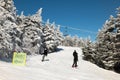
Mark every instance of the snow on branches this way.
pixel 22 33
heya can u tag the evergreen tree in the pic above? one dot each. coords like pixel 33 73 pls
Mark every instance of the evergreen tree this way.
pixel 31 32
pixel 106 51
pixel 27 34
pixel 7 28
pixel 58 36
pixel 49 36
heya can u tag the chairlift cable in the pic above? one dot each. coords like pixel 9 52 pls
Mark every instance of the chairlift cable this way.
pixel 82 30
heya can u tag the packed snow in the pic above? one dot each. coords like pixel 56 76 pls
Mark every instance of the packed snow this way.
pixel 57 66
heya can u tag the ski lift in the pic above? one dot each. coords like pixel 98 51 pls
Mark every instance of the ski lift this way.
pixel 66 31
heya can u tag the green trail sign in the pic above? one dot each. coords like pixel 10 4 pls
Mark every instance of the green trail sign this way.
pixel 19 59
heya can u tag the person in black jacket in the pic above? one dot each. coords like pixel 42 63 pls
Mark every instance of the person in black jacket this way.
pixel 45 54
pixel 75 60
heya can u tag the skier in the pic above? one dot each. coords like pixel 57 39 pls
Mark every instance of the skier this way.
pixel 44 54
pixel 75 55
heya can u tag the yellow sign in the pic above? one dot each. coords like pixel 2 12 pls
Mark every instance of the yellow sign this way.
pixel 19 59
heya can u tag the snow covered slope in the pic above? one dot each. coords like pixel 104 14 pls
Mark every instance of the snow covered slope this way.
pixel 56 67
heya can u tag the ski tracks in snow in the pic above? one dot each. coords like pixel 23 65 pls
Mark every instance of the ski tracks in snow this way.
pixel 56 67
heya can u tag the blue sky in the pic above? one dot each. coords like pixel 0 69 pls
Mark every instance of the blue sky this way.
pixel 85 15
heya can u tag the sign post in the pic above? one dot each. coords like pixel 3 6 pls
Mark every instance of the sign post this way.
pixel 19 59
